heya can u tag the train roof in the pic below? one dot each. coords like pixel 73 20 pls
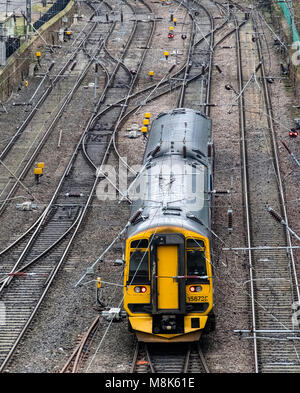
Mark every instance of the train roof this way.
pixel 177 128
pixel 172 189
pixel 172 192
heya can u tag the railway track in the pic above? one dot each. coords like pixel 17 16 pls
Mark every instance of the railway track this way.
pixel 168 358
pixel 191 359
pixel 273 285
pixel 178 359
pixel 78 356
pixel 193 79
pixel 199 60
pixel 30 277
pixel 45 246
pixel 24 146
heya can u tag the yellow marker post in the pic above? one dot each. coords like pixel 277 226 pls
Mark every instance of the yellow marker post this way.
pixel 38 56
pixel 147 115
pixel 99 292
pixel 38 172
pixel 144 130
pixel 26 83
pixel 41 165
pixel 146 122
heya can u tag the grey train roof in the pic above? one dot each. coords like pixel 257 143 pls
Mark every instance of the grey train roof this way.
pixel 173 185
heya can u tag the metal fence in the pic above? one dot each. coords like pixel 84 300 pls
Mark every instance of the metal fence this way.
pixel 55 9
pixel 12 44
pixel 288 11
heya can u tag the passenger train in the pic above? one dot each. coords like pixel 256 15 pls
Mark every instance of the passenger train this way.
pixel 168 284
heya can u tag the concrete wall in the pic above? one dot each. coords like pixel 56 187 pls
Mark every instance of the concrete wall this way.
pixel 17 66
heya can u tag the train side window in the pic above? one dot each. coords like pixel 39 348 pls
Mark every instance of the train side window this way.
pixel 196 263
pixel 138 267
pixel 140 243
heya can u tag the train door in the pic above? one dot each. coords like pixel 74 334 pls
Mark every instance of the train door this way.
pixel 167 285
pixel 167 263
pixel 167 256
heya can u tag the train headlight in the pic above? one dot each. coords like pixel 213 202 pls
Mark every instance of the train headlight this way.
pixel 194 288
pixel 140 289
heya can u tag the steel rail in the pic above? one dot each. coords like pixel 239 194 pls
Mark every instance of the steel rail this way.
pixel 50 204
pixel 33 313
pixel 43 214
pixel 246 185
pixel 151 365
pixel 84 342
pixel 55 243
pixel 135 356
pixel 62 258
pixel 105 156
pixel 134 81
pixel 181 358
pixel 81 217
pixel 153 98
pixel 13 244
pixel 269 113
pixel 211 52
pixel 276 161
pixel 202 358
pixel 52 124
pixel 128 96
pixel 46 93
pixel 53 272
pixel 153 87
pixel 187 359
pixel 192 46
pixel 185 67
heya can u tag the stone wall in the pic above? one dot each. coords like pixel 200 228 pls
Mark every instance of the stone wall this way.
pixel 17 66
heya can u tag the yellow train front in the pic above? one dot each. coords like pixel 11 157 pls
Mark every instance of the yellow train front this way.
pixel 168 288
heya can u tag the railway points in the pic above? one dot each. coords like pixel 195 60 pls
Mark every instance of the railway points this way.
pixel 94 118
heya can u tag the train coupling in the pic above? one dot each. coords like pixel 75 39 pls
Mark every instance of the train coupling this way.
pixel 114 314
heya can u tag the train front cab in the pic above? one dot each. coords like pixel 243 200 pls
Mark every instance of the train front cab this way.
pixel 168 285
